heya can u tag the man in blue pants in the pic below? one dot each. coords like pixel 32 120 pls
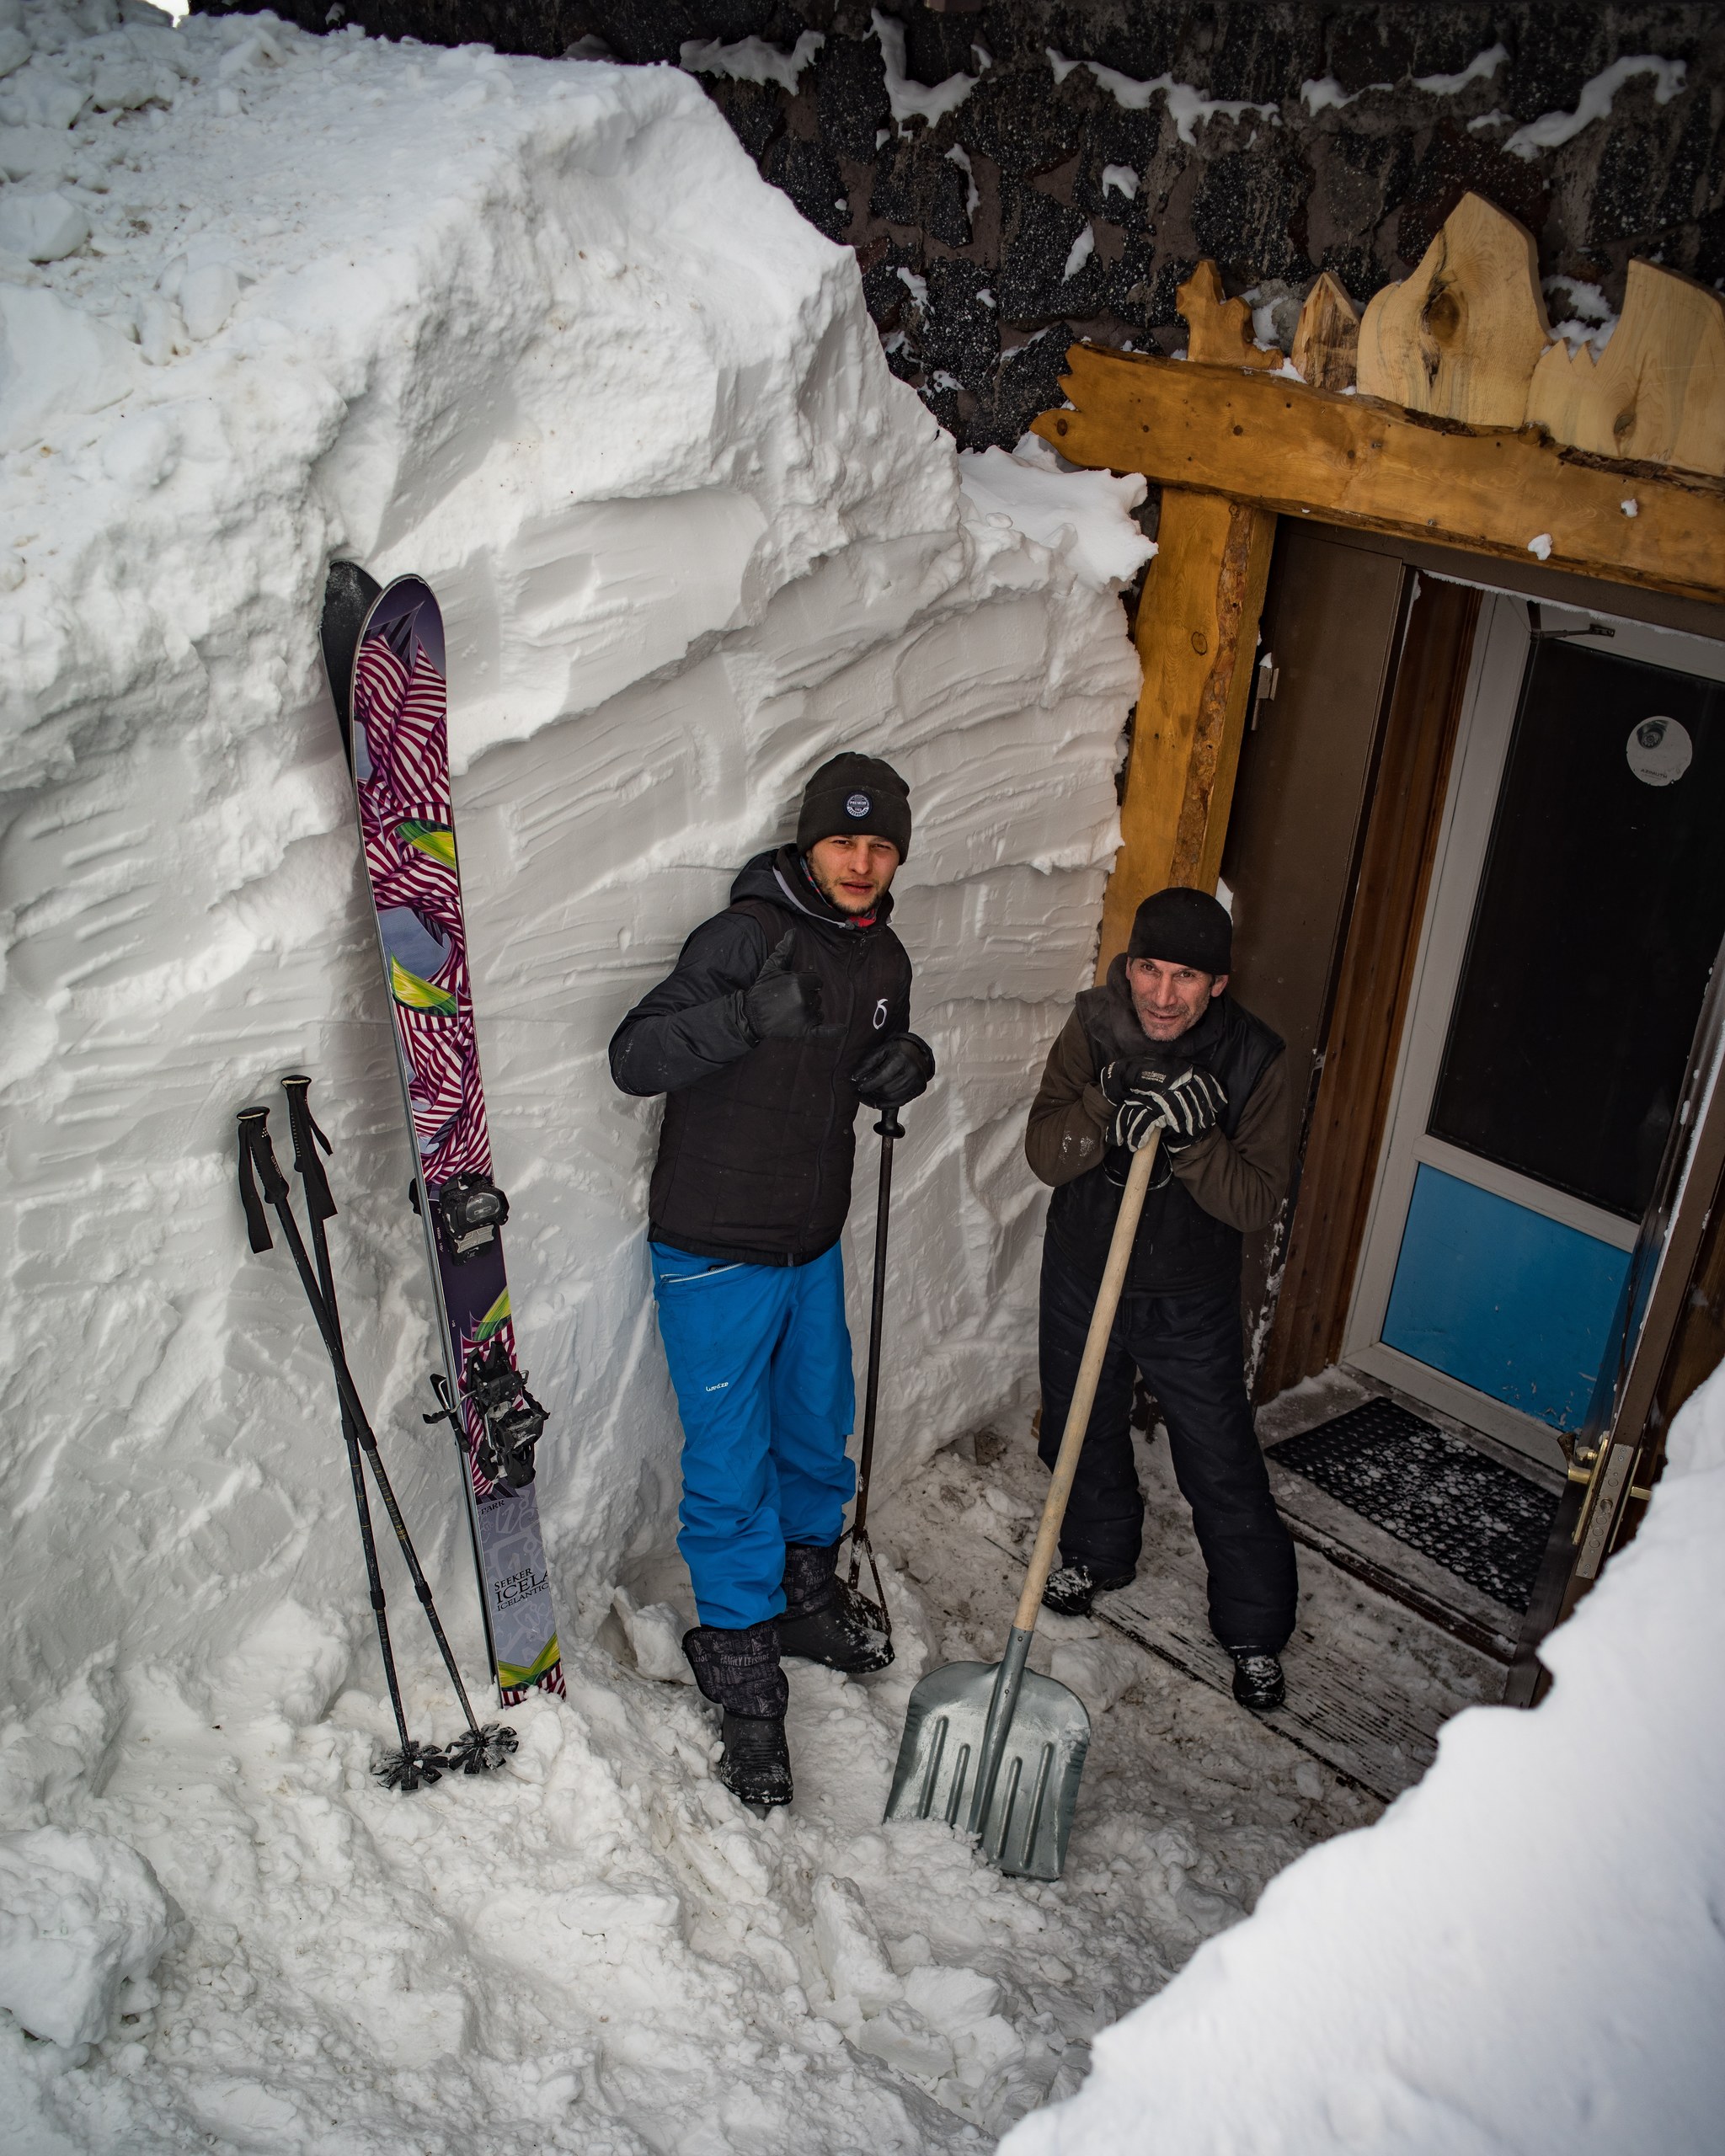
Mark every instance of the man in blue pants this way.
pixel 782 1012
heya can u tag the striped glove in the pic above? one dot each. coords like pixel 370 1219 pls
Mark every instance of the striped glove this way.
pixel 1183 1105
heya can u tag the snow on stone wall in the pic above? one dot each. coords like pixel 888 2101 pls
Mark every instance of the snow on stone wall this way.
pixel 1054 171
pixel 1525 1957
pixel 540 333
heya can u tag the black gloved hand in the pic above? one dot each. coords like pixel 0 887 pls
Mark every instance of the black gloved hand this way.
pixel 779 1004
pixel 893 1071
pixel 1183 1105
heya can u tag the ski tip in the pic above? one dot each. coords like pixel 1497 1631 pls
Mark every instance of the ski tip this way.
pixel 348 596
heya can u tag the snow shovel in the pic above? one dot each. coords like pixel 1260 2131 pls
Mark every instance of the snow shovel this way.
pixel 993 1747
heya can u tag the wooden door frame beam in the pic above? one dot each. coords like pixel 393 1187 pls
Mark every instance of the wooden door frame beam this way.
pixel 1196 630
pixel 1277 444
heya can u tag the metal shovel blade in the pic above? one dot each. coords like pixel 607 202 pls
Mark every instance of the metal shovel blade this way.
pixel 1029 1815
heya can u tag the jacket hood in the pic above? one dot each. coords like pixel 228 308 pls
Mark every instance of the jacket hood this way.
pixel 779 877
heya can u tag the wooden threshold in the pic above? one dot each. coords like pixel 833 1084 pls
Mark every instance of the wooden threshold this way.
pixel 1350 1702
pixel 1371 1677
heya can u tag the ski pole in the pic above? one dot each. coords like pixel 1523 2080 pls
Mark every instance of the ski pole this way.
pixel 889 1127
pixel 401 1771
pixel 480 1749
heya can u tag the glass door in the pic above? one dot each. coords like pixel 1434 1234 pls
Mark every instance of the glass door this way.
pixel 1579 903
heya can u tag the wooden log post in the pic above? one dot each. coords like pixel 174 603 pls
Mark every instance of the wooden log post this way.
pixel 1197 633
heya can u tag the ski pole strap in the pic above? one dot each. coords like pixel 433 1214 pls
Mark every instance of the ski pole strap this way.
pixel 320 1199
pixel 257 1158
pixel 447 1410
pixel 862 1547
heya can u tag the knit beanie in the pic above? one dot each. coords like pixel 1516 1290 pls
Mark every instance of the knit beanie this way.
pixel 1184 928
pixel 853 797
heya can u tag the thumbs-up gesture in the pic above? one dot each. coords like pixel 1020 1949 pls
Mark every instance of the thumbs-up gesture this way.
pixel 780 1005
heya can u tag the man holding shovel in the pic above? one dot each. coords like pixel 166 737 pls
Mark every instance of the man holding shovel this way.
pixel 782 1012
pixel 1160 1050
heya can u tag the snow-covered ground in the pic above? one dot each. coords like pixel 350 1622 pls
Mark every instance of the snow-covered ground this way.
pixel 539 331
pixel 599 1949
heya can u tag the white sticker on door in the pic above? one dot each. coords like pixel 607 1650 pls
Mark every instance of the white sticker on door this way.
pixel 1660 751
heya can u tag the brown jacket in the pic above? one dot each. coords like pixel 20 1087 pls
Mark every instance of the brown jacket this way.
pixel 1241 1180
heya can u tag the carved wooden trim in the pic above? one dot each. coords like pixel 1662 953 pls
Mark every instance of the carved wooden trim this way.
pixel 1461 337
pixel 1326 339
pixel 1219 330
pixel 1658 391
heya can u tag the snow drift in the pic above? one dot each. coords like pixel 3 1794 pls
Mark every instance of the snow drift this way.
pixel 539 332
pixel 1526 1954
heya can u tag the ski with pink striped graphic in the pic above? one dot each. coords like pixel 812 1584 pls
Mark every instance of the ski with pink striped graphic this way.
pixel 384 650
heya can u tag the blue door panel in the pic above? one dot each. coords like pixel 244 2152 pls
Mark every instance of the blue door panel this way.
pixel 1519 1307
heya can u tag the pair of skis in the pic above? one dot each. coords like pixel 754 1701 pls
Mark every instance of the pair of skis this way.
pixel 384 653
pixel 383 650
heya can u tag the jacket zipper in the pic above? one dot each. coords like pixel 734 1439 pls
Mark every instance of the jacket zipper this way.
pixel 854 954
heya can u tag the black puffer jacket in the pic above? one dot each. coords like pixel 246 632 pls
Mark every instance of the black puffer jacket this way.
pixel 754 1158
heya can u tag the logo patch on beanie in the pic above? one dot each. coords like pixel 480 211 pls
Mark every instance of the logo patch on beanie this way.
pixel 859 804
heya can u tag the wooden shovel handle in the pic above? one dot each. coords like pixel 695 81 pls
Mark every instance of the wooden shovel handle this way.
pixel 1101 1324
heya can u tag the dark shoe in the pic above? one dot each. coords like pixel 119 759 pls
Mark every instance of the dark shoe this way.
pixel 1258 1682
pixel 738 1670
pixel 1072 1589
pixel 756 1764
pixel 825 1621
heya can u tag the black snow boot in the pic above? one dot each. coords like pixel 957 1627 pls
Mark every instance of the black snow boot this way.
pixel 1072 1588
pixel 1258 1682
pixel 738 1670
pixel 823 1620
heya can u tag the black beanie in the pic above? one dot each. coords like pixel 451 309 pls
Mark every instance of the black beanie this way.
pixel 1184 928
pixel 853 797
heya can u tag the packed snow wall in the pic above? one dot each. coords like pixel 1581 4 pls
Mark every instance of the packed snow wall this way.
pixel 540 333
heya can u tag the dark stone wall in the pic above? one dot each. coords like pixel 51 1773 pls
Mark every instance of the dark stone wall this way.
pixel 965 272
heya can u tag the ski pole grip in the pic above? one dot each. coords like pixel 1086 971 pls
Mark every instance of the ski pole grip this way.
pixel 889 1126
pixel 320 1199
pixel 254 1128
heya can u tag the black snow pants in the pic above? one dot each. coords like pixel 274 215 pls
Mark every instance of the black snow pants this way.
pixel 1190 1350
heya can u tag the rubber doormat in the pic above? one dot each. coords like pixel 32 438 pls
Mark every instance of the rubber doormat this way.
pixel 1481 1520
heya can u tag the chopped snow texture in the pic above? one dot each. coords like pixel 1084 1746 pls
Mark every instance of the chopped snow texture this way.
pixel 81 1915
pixel 1419 1987
pixel 539 331
pixel 1085 515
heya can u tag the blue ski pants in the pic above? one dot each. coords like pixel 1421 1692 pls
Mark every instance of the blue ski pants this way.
pixel 761 1358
